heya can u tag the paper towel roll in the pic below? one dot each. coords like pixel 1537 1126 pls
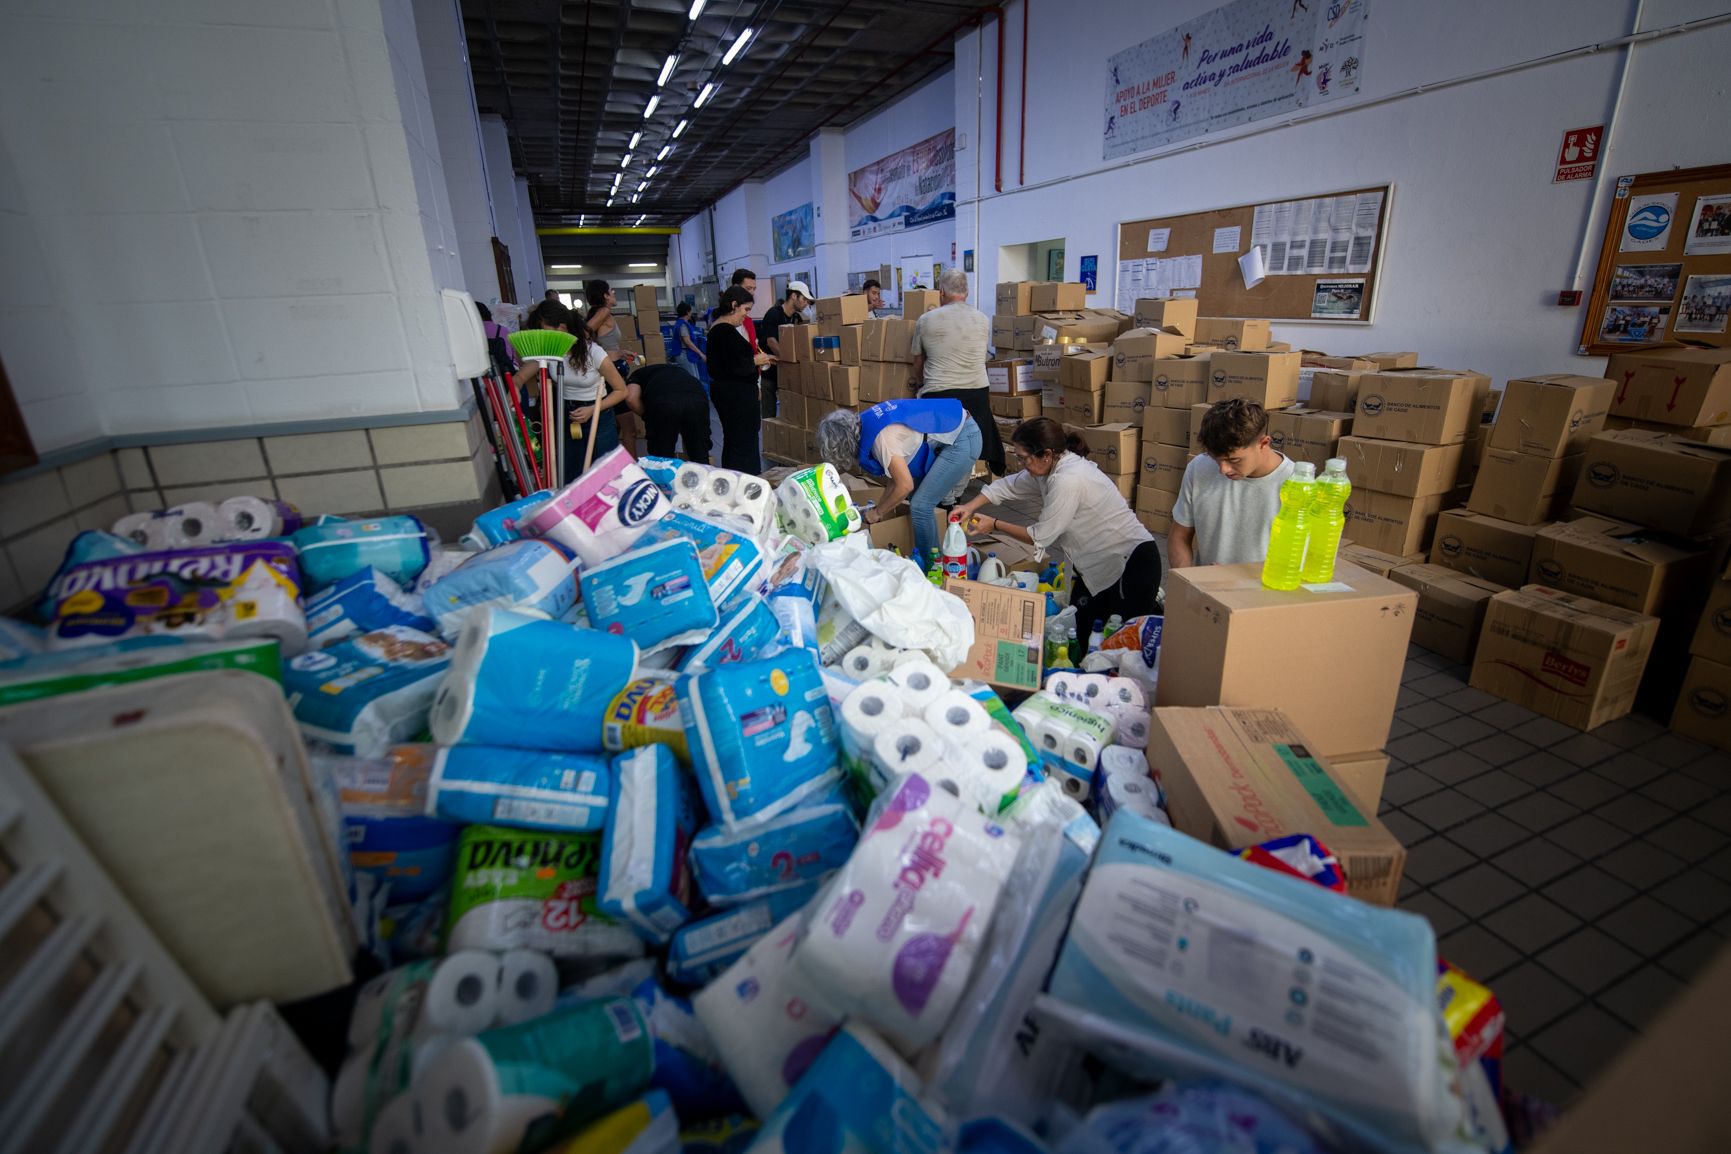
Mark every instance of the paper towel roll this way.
pixel 361 1077
pixel 957 718
pixel 862 662
pixel 135 527
pixel 463 995
pixel 1125 691
pixel 867 712
pixel 254 518
pixel 528 986
pixel 907 745
pixel 194 523
pixel 921 684
pixel 396 1129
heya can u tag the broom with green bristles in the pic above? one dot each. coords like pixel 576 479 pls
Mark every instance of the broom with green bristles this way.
pixel 547 347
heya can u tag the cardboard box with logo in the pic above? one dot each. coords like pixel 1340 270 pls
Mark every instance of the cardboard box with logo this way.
pixel 1059 296
pixel 1154 522
pixel 1551 416
pixel 1334 390
pixel 1570 658
pixel 1238 777
pixel 1398 467
pixel 1014 297
pixel 1320 360
pixel 1487 547
pixel 1009 634
pixel 1198 414
pixel 887 339
pixel 1152 500
pixel 1233 334
pixel 1306 434
pixel 1451 608
pixel 917 302
pixel 1620 564
pixel 1163 426
pixel 1387 361
pixel 835 313
pixel 1011 377
pixel 1176 314
pixel 1180 382
pixel 1224 634
pixel 1022 407
pixel 1269 379
pixel 1656 480
pixel 1089 326
pixel 1703 709
pixel 1125 401
pixel 1521 487
pixel 1085 367
pixel 1163 466
pixel 1389 523
pixel 1713 632
pixel 1114 447
pixel 1134 353
pixel 1380 563
pixel 1672 385
pixel 1083 406
pixel 1013 333
pixel 1424 407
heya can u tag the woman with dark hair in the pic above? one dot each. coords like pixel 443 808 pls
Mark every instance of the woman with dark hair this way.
pixel 584 378
pixel 733 366
pixel 1114 559
pixel 685 333
pixel 604 327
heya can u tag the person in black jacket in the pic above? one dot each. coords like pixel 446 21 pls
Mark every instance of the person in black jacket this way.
pixel 733 368
pixel 674 407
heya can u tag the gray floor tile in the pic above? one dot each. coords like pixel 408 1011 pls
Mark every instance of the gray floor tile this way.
pixel 1505 715
pixel 1696 893
pixel 1408 696
pixel 1716 813
pixel 1438 684
pixel 1719 865
pixel 1462 731
pixel 1399 728
pixel 1689 839
pixel 1414 748
pixel 1639 863
pixel 1444 809
pixel 1634 813
pixel 1533 997
pixel 1630 769
pixel 1406 830
pixel 1408 888
pixel 1630 731
pixel 1541 768
pixel 1431 659
pixel 1583 1042
pixel 1500 749
pixel 1538 811
pixel 1408 785
pixel 1646 927
pixel 1479 890
pixel 1588 893
pixel 1587 790
pixel 1678 791
pixel 1714 769
pixel 1488 834
pixel 1456 766
pixel 1431 861
pixel 1588 836
pixel 1426 714
pixel 1524 1069
pixel 1638 998
pixel 1536 861
pixel 1443 917
pixel 1495 789
pixel 1584 749
pixel 1479 952
pixel 1531 924
pixel 1545 732
pixel 1674 749
pixel 1589 960
pixel 1470 700
pixel 1693 956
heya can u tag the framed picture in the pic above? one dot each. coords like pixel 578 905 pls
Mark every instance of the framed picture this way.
pixel 1055 264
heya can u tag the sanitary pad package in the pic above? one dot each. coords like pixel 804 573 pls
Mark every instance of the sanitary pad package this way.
pixel 602 513
pixel 857 1096
pixel 368 692
pixel 528 789
pixel 744 632
pixel 395 546
pixel 533 576
pixel 803 845
pixel 732 559
pixel 655 595
pixel 360 603
pixel 645 881
pixel 506 523
pixel 701 950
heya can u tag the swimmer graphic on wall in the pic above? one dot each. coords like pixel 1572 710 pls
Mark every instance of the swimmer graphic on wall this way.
pixel 1186 56
pixel 1302 67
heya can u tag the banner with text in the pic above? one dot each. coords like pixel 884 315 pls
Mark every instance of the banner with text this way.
pixel 905 189
pixel 1242 62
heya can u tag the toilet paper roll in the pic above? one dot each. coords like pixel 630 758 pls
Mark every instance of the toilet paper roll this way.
pixel 957 718
pixel 136 527
pixel 907 657
pixel 1124 691
pixel 462 996
pixel 1130 725
pixel 1062 685
pixel 1122 760
pixel 395 1130
pixel 990 765
pixel 194 523
pixel 255 518
pixel 690 480
pixel 755 491
pixel 1081 750
pixel 720 485
pixel 528 986
pixel 1090 689
pixel 907 745
pixel 867 712
pixel 1138 796
pixel 364 1078
pixel 863 662
pixel 921 683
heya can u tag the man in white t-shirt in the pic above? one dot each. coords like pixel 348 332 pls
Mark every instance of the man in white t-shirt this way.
pixel 950 346
pixel 1231 492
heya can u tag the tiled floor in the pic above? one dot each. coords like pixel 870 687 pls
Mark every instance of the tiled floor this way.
pixel 1585 878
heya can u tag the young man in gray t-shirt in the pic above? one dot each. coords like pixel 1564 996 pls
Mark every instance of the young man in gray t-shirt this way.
pixel 1231 492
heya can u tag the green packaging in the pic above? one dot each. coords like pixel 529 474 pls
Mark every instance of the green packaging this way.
pixel 528 889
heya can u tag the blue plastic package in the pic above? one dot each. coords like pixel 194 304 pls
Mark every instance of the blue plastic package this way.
pixel 20 639
pixel 367 692
pixel 701 950
pixel 732 559
pixel 858 1096
pixel 645 882
pixel 390 836
pixel 761 734
pixel 805 844
pixel 1199 1117
pixel 532 575
pixel 687 1067
pixel 360 603
pixel 661 470
pixel 655 595
pixel 90 545
pixel 733 1134
pixel 497 526
pixel 795 616
pixel 528 789
pixel 741 636
pixel 395 546
pixel 992 1135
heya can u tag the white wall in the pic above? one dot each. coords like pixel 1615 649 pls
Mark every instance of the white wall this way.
pixel 445 60
pixel 507 222
pixel 924 112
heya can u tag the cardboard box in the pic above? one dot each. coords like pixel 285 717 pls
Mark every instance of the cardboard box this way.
pixel 1163 426
pixel 1163 466
pixel 1134 353
pixel 1703 709
pixel 1672 385
pixel 1390 523
pixel 1152 500
pixel 1524 488
pixel 1487 547
pixel 895 533
pixel 1021 407
pixel 826 348
pixel 1700 434
pixel 1009 634
pixel 1180 382
pixel 646 305
pixel 1400 468
pixel 1126 483
pixel 918 302
pixel 881 381
pixel 844 385
pixel 1656 480
pixel 1076 328
pixel 1451 608
pixel 1269 379
pixel 850 344
pixel 1177 314
pixel 1232 333
pixel 1113 447
pixel 1713 632
pixel 1320 360
pixel 887 339
pixel 1309 434
pixel 834 313
pixel 1570 658
pixel 1428 408
pixel 794 343
pixel 1011 377
pixel 1620 564
pixel 1059 296
pixel 1551 416
pixel 1087 367
pixel 1197 414
pixel 1125 401
pixel 1363 774
pixel 1386 361
pixel 1473 459
pixel 790 408
pixel 1083 407
pixel 1015 297
pixel 1238 777
pixel 1154 522
pixel 1225 635
pixel 1334 391
pixel 1382 564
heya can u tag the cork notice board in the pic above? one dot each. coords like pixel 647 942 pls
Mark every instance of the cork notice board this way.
pixel 1665 267
pixel 1321 256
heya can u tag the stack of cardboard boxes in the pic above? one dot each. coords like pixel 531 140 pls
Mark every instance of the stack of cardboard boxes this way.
pixel 847 360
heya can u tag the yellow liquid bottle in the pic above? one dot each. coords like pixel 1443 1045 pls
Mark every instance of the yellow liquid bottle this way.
pixel 1283 568
pixel 1327 520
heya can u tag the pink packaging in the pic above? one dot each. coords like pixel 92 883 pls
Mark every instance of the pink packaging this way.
pixel 602 513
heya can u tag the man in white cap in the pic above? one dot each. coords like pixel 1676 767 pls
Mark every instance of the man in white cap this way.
pixel 784 312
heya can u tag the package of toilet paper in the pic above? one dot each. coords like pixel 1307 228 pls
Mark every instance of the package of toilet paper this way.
pixel 532 890
pixel 702 949
pixel 744 631
pixel 602 513
pixel 661 470
pixel 360 603
pixel 654 594
pixel 389 832
pixel 1301 992
pixel 761 736
pixel 806 844
pixel 724 493
pixel 395 546
pixel 815 505
pixel 528 683
pixel 687 1068
pixel 646 711
pixel 90 545
pixel 1064 729
pixel 368 692
pixel 645 882
pixel 764 1022
pixel 527 789
pixel 732 559
pixel 40 675
pixel 508 522
pixel 858 1096
pixel 895 936
pixel 534 576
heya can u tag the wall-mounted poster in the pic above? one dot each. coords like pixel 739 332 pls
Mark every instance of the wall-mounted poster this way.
pixel 1645 282
pixel 1634 324
pixel 793 233
pixel 1706 300
pixel 1647 228
pixel 907 189
pixel 1241 62
pixel 1710 229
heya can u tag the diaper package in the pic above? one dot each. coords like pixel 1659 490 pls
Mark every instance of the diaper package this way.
pixel 367 692
pixel 806 844
pixel 390 835
pixel 506 523
pixel 761 736
pixel 395 546
pixel 361 603
pixel 743 633
pixel 702 949
pixel 687 1067
pixel 1302 994
pixel 602 513
pixel 526 789
pixel 731 558
pixel 646 712
pixel 533 576
pixel 815 505
pixel 857 1096
pixel 522 889
pixel 656 595
pixel 528 683
pixel 20 639
pixel 645 882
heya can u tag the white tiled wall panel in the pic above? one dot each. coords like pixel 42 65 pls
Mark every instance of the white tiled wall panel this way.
pixel 319 452
pixel 207 461
pixel 279 254
pixel 91 480
pixel 213 72
pixel 318 336
pixel 447 483
pixel 414 443
pixel 356 492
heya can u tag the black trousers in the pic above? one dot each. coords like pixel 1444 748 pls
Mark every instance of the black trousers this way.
pixel 769 394
pixel 736 403
pixel 1136 594
pixel 978 402
pixel 685 416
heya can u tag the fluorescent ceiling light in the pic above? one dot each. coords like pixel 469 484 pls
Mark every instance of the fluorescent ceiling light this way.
pixel 643 186
pixel 667 70
pixel 678 129
pixel 626 163
pixel 696 9
pixel 665 149
pixel 610 202
pixel 637 198
pixel 703 97
pixel 651 172
pixel 571 266
pixel 641 219
pixel 643 264
pixel 738 47
pixel 649 109
pixel 635 137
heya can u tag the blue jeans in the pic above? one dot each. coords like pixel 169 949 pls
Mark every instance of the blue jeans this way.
pixel 950 466
pixel 606 439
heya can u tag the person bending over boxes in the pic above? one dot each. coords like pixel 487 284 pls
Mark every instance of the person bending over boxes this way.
pixel 1230 492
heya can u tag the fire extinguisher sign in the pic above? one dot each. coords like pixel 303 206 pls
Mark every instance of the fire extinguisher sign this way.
pixel 1578 158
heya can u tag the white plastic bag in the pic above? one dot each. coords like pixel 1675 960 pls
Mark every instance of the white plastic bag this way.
pixel 894 600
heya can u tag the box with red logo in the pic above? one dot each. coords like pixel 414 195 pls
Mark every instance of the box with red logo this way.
pixel 1570 658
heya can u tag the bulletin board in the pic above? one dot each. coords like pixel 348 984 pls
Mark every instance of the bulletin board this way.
pixel 1321 256
pixel 1665 267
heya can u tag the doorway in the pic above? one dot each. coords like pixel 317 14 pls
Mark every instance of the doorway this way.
pixel 1037 260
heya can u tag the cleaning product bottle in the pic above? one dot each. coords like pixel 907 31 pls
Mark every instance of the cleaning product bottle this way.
pixel 1097 637
pixel 955 548
pixel 992 570
pixel 1075 643
pixel 1114 623
pixel 1283 568
pixel 936 574
pixel 1057 646
pixel 1327 519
